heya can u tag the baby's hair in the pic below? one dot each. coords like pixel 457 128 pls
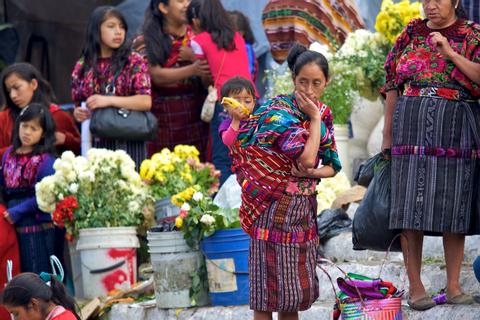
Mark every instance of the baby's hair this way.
pixel 40 112
pixel 236 85
pixel 27 286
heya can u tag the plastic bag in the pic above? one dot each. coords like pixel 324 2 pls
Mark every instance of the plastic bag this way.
pixel 332 222
pixel 366 171
pixel 371 220
pixel 230 194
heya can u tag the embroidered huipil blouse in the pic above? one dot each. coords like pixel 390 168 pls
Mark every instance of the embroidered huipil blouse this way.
pixel 415 64
pixel 134 78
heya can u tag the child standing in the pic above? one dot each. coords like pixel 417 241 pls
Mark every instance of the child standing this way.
pixel 224 50
pixel 25 163
pixel 287 146
pixel 32 297
pixel 107 61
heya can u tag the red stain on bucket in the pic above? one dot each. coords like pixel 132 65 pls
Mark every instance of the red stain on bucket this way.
pixel 117 277
pixel 114 279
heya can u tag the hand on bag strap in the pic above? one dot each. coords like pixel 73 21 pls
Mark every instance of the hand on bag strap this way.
pixel 387 154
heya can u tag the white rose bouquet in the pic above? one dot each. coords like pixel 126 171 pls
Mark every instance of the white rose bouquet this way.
pixel 101 190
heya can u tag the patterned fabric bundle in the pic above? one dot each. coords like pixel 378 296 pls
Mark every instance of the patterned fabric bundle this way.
pixel 265 151
pixel 305 21
pixel 380 300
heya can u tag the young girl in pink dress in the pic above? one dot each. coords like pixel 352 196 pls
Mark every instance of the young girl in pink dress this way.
pixel 224 49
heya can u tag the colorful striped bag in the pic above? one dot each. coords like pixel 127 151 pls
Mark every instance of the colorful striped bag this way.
pixel 364 298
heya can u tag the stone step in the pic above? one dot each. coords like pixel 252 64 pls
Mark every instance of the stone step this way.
pixel 340 249
pixel 322 311
pixel 433 276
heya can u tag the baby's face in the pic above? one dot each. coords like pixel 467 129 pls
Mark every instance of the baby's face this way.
pixel 245 98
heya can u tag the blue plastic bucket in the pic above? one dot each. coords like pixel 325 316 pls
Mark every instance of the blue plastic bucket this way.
pixel 226 255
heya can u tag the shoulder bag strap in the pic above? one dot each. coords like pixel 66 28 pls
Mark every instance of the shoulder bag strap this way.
pixel 220 70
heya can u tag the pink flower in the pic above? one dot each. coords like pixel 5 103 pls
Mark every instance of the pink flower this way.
pixel 183 214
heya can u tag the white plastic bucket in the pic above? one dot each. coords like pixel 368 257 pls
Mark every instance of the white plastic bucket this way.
pixel 341 138
pixel 109 260
pixel 173 262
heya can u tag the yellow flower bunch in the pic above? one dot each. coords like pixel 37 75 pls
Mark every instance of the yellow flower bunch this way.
pixel 184 196
pixel 186 152
pixel 394 17
pixel 169 172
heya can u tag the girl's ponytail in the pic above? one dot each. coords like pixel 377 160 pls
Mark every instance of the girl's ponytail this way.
pixel 60 296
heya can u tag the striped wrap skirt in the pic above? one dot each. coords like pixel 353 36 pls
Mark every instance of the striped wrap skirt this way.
pixel 435 166
pixel 283 255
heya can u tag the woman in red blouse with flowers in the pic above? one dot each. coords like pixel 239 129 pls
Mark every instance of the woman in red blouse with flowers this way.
pixel 432 125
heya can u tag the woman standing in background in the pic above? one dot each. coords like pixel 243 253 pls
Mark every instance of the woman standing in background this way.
pixel 177 90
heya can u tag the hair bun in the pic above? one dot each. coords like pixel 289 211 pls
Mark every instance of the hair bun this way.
pixel 294 53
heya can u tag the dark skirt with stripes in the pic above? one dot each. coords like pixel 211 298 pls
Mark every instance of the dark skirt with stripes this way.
pixel 436 166
pixel 282 273
pixel 36 242
pixel 137 150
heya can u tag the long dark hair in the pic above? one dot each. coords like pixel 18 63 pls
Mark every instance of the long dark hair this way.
pixel 91 49
pixel 214 19
pixel 36 111
pixel 299 56
pixel 242 25
pixel 157 42
pixel 27 286
pixel 43 94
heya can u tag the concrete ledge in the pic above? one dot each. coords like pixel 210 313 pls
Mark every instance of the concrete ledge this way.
pixel 322 311
pixel 340 248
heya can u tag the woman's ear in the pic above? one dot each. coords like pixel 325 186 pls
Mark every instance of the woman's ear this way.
pixel 163 8
pixel 34 304
pixel 34 84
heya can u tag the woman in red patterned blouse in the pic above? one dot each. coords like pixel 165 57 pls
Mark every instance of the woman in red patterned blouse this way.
pixel 106 58
pixel 432 121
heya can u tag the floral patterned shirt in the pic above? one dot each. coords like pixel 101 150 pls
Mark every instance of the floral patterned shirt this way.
pixel 414 60
pixel 133 79
pixel 18 176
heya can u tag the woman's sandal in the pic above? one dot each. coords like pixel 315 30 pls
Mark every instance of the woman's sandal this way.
pixel 461 298
pixel 422 304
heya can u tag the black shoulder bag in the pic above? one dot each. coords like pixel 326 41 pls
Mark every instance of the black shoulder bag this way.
pixel 123 124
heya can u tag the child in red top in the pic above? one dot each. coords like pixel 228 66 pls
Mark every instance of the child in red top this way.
pixel 32 297
pixel 217 41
